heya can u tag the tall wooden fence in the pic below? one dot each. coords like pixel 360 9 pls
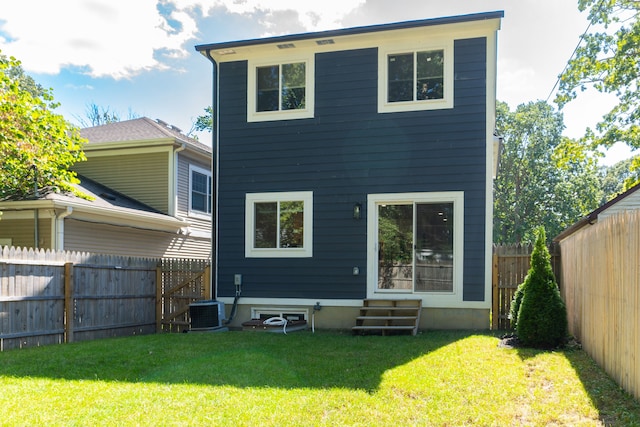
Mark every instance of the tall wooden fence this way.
pixel 510 267
pixel 182 281
pixel 601 277
pixel 49 297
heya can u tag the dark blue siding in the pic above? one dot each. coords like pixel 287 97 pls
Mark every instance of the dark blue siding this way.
pixel 346 152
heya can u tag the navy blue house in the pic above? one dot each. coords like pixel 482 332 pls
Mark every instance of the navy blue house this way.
pixel 357 164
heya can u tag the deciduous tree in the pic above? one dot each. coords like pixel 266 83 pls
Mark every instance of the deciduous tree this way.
pixel 607 60
pixel 544 178
pixel 37 146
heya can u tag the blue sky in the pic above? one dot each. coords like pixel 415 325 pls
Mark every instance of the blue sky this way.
pixel 138 57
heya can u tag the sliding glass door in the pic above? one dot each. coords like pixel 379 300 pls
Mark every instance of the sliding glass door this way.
pixel 415 246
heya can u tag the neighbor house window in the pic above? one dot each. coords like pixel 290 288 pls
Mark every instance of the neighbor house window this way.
pixel 279 224
pixel 416 80
pixel 280 91
pixel 199 190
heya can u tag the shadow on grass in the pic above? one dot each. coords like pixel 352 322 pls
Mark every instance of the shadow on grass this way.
pixel 615 406
pixel 239 359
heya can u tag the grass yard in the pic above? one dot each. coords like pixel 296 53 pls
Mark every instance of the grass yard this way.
pixel 304 379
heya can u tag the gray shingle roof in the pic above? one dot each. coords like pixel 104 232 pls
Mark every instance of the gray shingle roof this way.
pixel 140 129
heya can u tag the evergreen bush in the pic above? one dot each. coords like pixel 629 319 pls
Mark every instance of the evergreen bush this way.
pixel 539 314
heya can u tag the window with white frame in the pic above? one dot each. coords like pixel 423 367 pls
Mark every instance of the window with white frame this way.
pixel 416 79
pixel 418 241
pixel 279 225
pixel 199 190
pixel 280 90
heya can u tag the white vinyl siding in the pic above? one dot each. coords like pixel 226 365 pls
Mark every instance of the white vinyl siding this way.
pixel 631 202
pixel 128 241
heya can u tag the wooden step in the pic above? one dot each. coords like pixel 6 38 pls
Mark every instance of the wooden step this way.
pixel 390 327
pixel 385 315
pixel 386 318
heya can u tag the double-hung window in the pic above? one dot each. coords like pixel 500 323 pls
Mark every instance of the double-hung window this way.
pixel 279 225
pixel 199 191
pixel 416 79
pixel 280 90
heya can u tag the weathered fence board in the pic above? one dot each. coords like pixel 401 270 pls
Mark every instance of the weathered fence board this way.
pixel 183 281
pixel 49 297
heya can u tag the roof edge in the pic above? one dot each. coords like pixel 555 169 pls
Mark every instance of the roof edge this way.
pixel 592 217
pixel 481 16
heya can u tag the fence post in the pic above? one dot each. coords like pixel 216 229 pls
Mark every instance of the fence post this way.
pixel 206 281
pixel 159 298
pixel 495 309
pixel 68 302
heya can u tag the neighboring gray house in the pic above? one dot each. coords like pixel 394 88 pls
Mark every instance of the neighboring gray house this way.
pixel 629 200
pixel 355 164
pixel 151 188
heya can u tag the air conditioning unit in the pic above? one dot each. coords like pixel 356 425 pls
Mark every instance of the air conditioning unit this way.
pixel 207 315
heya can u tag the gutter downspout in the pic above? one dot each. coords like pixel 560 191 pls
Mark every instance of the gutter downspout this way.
pixel 215 167
pixel 59 238
pixel 174 208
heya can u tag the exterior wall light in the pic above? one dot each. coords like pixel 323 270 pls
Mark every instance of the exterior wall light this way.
pixel 357 211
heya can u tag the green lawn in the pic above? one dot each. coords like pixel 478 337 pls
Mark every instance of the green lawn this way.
pixel 305 379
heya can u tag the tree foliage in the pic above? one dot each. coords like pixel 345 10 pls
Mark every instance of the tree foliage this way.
pixel 544 178
pixel 204 122
pixel 607 60
pixel 37 147
pixel 538 312
pixel 618 178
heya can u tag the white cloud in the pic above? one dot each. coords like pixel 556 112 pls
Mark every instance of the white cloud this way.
pixel 117 38
pixel 515 83
pixel 122 38
pixel 276 15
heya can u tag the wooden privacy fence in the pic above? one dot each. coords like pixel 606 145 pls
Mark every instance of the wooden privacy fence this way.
pixel 49 297
pixel 510 266
pixel 181 282
pixel 601 287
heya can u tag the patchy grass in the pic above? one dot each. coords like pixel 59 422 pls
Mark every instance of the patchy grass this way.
pixel 244 378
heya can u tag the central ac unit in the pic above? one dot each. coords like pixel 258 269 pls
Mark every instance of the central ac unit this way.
pixel 207 315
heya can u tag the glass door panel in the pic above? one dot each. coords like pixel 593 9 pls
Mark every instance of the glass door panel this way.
pixel 395 247
pixel 434 247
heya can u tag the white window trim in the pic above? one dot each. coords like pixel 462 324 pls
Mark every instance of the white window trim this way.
pixel 192 212
pixel 432 104
pixel 430 299
pixel 279 312
pixel 265 116
pixel 305 252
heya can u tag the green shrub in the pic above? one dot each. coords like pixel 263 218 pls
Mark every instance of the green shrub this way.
pixel 540 314
pixel 515 304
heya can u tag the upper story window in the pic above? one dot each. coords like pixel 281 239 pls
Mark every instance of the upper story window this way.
pixel 415 76
pixel 416 79
pixel 280 87
pixel 280 91
pixel 199 190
